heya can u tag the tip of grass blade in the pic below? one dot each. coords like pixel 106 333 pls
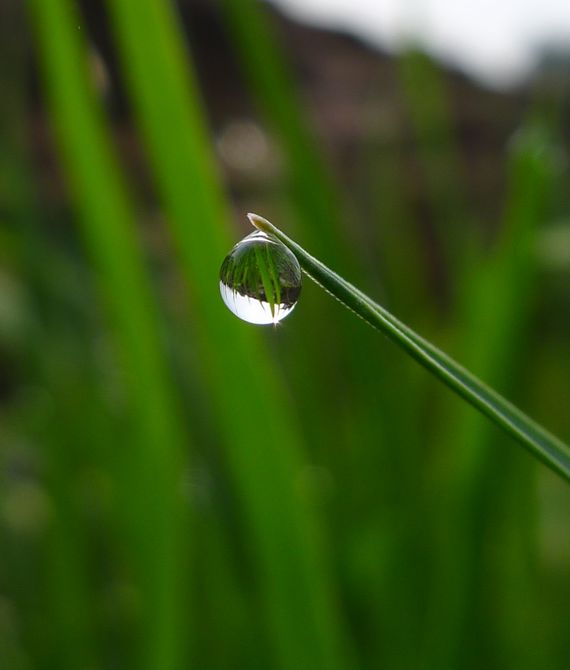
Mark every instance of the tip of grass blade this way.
pixel 260 223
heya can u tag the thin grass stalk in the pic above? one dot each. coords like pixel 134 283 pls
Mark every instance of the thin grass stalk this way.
pixel 546 447
pixel 262 447
pixel 149 483
pixel 426 95
pixel 313 190
pixel 497 298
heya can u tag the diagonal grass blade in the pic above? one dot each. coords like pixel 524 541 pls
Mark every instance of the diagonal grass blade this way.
pixel 548 448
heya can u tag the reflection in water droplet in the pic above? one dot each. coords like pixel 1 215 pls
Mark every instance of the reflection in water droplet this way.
pixel 260 279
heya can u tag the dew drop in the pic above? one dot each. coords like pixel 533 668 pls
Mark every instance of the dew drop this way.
pixel 260 279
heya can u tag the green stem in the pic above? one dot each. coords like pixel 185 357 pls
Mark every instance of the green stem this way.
pixel 548 448
pixel 147 468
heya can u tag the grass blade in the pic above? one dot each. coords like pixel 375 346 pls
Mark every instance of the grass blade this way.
pixel 549 449
pixel 261 441
pixel 272 82
pixel 150 504
pixel 426 96
pixel 492 343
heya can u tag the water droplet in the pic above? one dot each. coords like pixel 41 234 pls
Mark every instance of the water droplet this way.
pixel 260 279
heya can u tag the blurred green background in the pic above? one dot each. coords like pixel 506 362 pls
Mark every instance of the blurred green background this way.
pixel 179 489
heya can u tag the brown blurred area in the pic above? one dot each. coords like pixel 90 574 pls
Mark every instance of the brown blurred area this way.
pixel 353 97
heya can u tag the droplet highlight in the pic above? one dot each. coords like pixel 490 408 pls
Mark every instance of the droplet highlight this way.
pixel 260 279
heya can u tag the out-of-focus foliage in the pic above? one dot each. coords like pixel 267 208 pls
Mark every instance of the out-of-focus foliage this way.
pixel 180 489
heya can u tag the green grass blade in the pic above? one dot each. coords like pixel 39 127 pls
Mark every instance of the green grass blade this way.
pixel 492 329
pixel 260 439
pixel 492 342
pixel 542 444
pixel 149 482
pixel 426 96
pixel 265 66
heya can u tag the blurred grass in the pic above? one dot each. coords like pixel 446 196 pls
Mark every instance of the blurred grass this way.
pixel 264 454
pixel 427 98
pixel 150 473
pixel 180 489
pixel 312 186
pixel 543 445
pixel 492 316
